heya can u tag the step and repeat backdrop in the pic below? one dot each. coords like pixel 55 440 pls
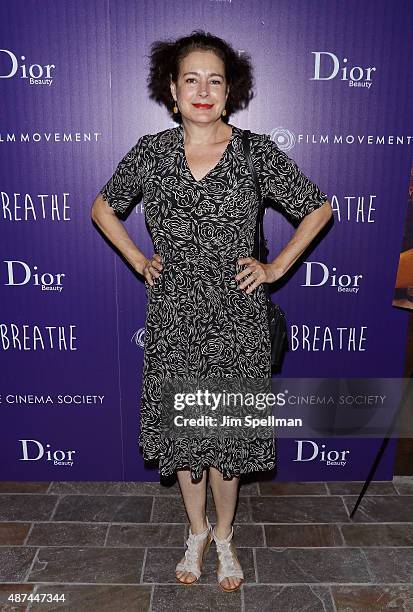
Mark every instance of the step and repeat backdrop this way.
pixel 333 88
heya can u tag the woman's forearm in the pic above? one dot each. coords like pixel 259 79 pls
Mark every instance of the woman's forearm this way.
pixel 303 236
pixel 106 219
pixel 405 270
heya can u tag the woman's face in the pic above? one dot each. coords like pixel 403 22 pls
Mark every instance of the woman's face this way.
pixel 201 80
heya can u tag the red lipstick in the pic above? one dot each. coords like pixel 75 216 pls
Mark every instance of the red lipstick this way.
pixel 198 105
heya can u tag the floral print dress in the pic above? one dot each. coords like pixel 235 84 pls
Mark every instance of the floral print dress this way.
pixel 197 322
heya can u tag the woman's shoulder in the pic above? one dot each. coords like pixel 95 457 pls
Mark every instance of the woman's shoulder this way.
pixel 167 139
pixel 258 142
pixel 160 141
pixel 256 139
pixel 262 141
pixel 174 133
pixel 253 135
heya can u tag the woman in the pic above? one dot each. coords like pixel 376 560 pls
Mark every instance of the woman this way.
pixel 206 311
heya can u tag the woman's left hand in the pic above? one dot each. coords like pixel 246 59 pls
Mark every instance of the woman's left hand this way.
pixel 256 273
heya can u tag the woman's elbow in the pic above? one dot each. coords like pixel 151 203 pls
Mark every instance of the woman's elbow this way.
pixel 328 209
pixel 100 206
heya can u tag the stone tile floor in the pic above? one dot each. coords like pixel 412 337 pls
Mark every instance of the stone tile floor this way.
pixel 109 546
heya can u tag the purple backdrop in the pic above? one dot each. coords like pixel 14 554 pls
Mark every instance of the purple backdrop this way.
pixel 74 100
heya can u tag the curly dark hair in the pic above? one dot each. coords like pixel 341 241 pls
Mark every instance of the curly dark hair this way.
pixel 165 59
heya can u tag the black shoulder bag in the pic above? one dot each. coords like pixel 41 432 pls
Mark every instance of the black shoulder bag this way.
pixel 276 317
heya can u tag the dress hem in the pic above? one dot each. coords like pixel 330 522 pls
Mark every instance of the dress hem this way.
pixel 222 466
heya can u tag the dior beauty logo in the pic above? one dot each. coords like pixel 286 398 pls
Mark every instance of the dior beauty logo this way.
pixel 18 273
pixel 329 65
pixel 11 66
pixel 33 450
pixel 318 274
pixel 308 450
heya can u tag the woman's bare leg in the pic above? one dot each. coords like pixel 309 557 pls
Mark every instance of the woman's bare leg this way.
pixel 225 494
pixel 194 496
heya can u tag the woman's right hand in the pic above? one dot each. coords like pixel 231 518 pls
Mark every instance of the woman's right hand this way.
pixel 152 268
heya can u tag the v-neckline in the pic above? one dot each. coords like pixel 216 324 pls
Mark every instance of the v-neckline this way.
pixel 186 165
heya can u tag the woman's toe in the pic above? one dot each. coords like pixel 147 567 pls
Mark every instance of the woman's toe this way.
pixel 234 582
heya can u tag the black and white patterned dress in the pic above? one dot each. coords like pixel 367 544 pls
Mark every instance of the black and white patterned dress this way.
pixel 197 322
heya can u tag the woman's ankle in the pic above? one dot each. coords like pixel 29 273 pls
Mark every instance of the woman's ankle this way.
pixel 222 531
pixel 198 527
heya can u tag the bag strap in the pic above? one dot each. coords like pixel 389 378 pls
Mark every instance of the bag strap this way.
pixel 260 245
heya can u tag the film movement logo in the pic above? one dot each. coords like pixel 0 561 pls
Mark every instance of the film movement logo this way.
pixel 139 337
pixel 283 138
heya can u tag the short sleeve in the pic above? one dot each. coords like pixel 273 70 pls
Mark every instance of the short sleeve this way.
pixel 282 180
pixel 126 182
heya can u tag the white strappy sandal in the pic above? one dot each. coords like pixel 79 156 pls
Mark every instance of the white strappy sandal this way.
pixel 227 557
pixel 197 547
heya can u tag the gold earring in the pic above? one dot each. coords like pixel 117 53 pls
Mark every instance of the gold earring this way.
pixel 175 109
pixel 224 112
